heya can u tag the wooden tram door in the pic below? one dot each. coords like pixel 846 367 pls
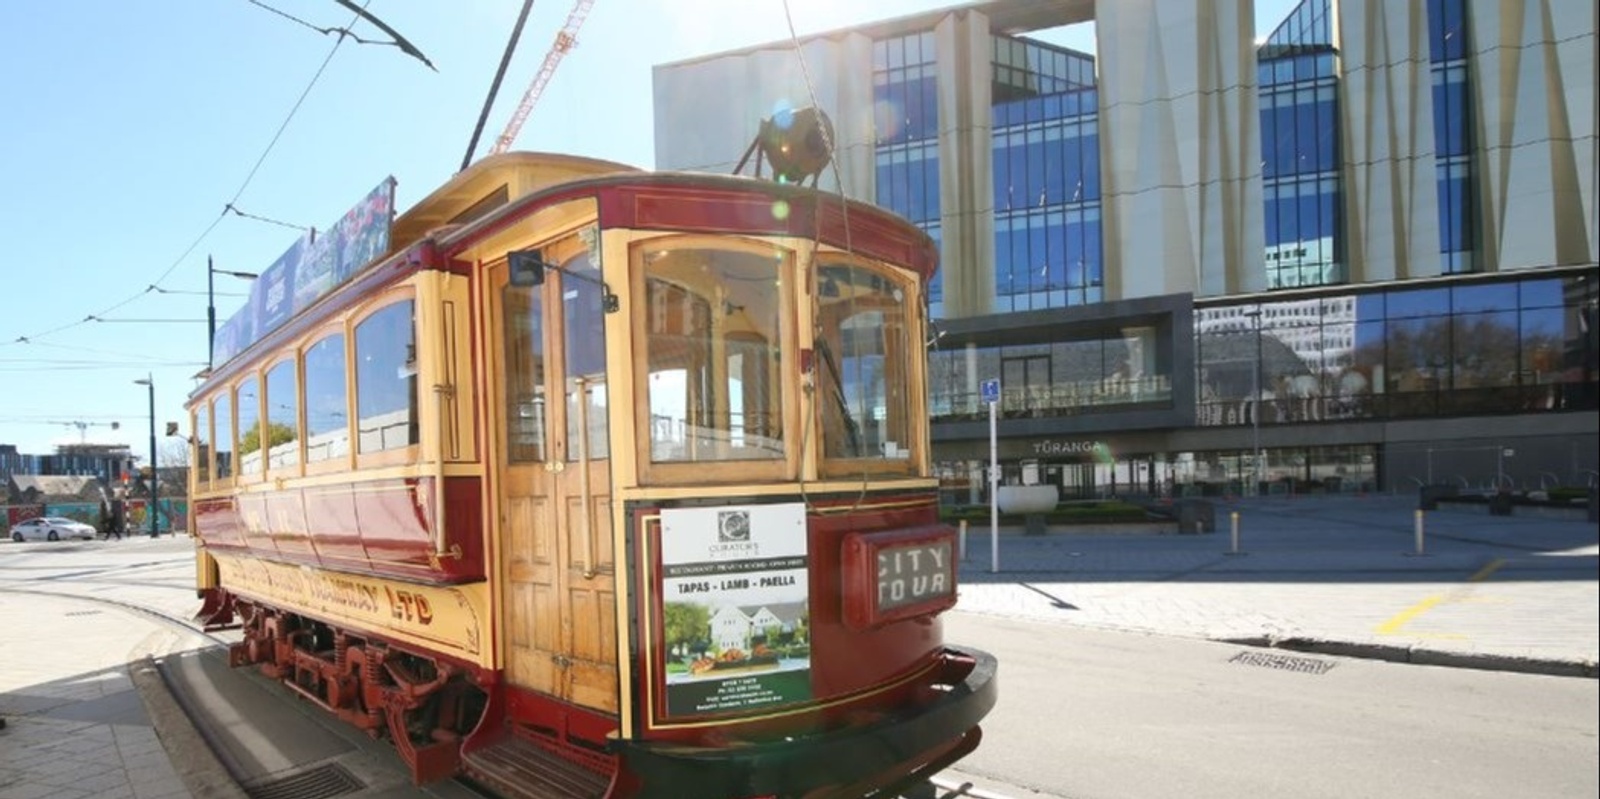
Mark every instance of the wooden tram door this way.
pixel 559 570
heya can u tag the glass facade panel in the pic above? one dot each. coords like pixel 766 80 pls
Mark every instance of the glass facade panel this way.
pixel 1300 154
pixel 1441 351
pixel 905 105
pixel 1129 370
pixel 1452 132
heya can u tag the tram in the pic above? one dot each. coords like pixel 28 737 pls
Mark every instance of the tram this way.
pixel 580 480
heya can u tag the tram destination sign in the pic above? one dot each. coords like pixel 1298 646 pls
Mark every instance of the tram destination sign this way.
pixel 897 575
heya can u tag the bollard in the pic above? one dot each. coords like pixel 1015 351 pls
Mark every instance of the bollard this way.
pixel 1419 514
pixel 961 545
pixel 1233 520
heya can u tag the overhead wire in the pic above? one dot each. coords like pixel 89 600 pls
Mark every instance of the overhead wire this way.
pixel 816 243
pixel 231 205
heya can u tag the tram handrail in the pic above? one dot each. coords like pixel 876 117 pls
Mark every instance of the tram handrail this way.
pixel 584 489
pixel 441 393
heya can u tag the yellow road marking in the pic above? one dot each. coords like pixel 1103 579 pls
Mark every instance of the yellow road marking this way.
pixel 1404 617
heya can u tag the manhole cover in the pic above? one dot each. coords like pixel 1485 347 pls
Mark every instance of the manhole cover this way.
pixel 318 783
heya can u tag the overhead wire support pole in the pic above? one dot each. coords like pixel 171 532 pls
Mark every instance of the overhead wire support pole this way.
pixel 494 87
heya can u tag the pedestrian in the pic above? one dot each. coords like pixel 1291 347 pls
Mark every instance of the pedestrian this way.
pixel 108 522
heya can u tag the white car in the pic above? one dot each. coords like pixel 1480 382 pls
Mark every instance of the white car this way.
pixel 51 528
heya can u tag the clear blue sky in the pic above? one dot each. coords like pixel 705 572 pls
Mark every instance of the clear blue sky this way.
pixel 129 127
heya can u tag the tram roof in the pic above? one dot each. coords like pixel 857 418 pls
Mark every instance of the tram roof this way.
pixel 491 183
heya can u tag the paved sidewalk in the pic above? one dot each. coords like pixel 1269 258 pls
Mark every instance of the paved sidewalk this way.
pixel 1339 575
pixel 76 726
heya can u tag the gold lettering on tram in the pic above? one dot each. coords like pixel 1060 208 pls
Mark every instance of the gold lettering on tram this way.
pixel 554 449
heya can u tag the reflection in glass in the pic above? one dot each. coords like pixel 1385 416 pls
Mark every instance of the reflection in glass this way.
pixel 584 317
pixel 327 421
pixel 1419 302
pixel 862 352
pixel 712 353
pixel 524 373
pixel 386 380
pixel 283 417
pixel 250 456
pixel 223 414
pixel 202 443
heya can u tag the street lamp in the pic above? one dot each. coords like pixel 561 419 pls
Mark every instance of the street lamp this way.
pixel 155 507
pixel 1255 405
pixel 211 306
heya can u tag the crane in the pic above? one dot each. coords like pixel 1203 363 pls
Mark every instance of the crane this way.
pixel 566 38
pixel 83 427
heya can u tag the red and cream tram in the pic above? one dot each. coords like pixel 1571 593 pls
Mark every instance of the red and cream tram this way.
pixel 578 480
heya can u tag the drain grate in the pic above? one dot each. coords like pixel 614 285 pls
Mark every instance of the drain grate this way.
pixel 1273 660
pixel 318 783
pixel 83 613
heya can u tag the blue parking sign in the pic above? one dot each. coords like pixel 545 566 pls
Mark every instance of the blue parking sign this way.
pixel 991 390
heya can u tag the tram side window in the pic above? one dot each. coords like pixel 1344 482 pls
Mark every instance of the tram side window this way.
pixel 327 421
pixel 283 417
pixel 250 455
pixel 222 414
pixel 862 354
pixel 524 373
pixel 202 445
pixel 713 342
pixel 386 380
pixel 583 316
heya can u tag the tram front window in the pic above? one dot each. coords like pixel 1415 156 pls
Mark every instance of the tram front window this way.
pixel 862 357
pixel 712 337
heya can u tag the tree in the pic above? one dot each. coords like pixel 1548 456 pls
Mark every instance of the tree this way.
pixel 684 624
pixel 277 433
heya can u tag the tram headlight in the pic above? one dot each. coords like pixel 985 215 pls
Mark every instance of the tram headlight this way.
pixel 898 574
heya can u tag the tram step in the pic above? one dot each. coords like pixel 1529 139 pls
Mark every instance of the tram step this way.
pixel 520 769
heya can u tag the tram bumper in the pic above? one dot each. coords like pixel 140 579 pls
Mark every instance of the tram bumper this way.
pixel 861 759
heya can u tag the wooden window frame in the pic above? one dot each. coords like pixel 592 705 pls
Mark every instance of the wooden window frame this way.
pixel 399 456
pixel 672 473
pixel 846 468
pixel 347 461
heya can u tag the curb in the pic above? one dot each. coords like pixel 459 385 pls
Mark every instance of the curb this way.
pixel 191 755
pixel 1423 656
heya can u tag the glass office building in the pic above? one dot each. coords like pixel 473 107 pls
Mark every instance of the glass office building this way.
pixel 1358 254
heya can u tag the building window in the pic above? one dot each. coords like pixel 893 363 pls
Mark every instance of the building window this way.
pixel 1046 141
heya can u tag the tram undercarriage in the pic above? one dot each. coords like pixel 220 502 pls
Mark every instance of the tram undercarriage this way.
pixel 424 705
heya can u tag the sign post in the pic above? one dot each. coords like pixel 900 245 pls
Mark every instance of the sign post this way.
pixel 991 395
